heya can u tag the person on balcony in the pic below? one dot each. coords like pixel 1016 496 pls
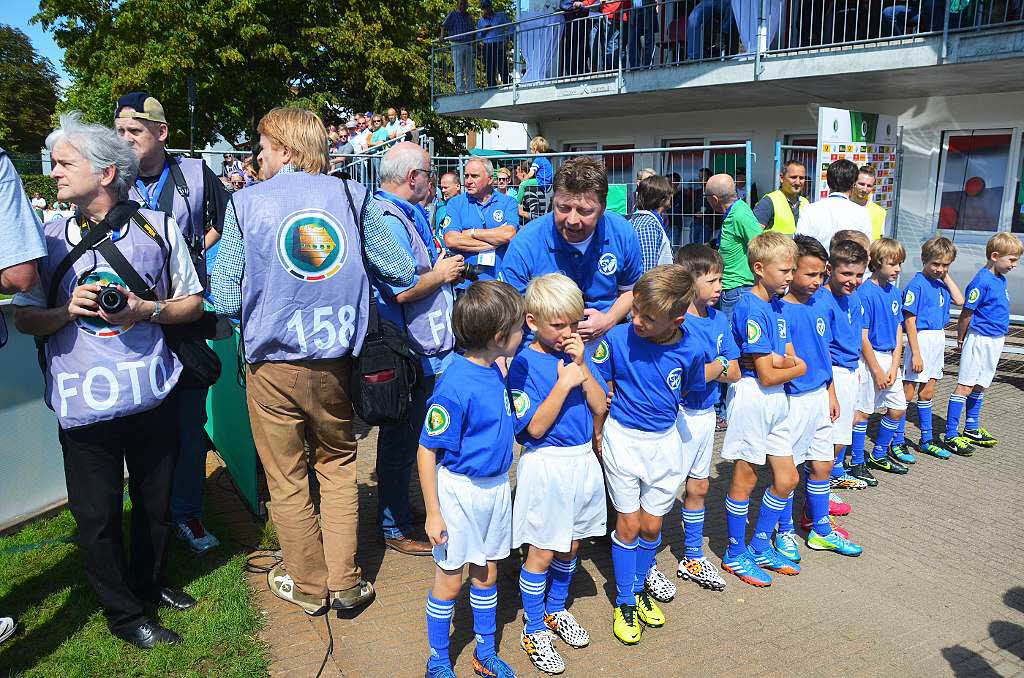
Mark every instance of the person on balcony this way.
pixel 494 36
pixel 606 33
pixel 780 209
pixel 708 13
pixel 642 27
pixel 458 28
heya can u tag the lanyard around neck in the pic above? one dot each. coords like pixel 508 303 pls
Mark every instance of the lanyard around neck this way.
pixel 153 200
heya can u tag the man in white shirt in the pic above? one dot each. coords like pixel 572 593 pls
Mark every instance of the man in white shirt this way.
pixel 822 219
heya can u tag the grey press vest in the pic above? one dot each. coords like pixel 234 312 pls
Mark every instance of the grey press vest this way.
pixel 188 211
pixel 428 320
pixel 305 293
pixel 98 372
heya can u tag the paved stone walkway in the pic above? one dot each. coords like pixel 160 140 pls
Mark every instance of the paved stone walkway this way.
pixel 939 589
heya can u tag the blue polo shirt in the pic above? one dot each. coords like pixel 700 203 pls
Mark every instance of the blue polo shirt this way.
pixel 465 212
pixel 545 173
pixel 988 297
pixel 650 379
pixel 712 336
pixel 759 328
pixel 531 378
pixel 809 331
pixel 846 320
pixel 929 300
pixel 469 418
pixel 385 293
pixel 882 315
pixel 610 265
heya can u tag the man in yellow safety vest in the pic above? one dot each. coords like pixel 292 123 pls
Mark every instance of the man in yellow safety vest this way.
pixel 780 209
pixel 861 195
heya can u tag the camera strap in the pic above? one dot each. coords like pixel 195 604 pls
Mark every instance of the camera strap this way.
pixel 125 270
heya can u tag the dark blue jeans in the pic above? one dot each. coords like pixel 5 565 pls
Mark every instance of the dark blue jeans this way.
pixel 190 469
pixel 396 454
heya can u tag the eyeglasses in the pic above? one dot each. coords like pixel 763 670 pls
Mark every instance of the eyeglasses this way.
pixel 503 179
pixel 430 172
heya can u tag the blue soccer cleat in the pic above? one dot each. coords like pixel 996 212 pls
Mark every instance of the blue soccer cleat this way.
pixel 744 567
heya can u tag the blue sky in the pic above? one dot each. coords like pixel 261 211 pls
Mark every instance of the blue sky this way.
pixel 18 13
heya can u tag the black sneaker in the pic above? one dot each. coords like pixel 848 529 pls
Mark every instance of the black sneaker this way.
pixel 957 445
pixel 861 472
pixel 887 464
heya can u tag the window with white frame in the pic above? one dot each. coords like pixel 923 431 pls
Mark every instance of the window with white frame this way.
pixel 977 184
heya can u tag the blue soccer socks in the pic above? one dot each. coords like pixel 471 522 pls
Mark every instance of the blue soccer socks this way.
pixel 645 552
pixel 532 586
pixel 767 518
pixel 974 402
pixel 924 415
pixel 624 557
pixel 838 470
pixel 439 621
pixel 786 517
pixel 899 437
pixel 954 411
pixel 559 576
pixel 860 436
pixel 485 611
pixel 736 523
pixel 693 528
pixel 817 505
pixel 886 430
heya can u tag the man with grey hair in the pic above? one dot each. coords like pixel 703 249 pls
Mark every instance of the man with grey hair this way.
pixel 423 308
pixel 108 370
pixel 739 227
pixel 482 221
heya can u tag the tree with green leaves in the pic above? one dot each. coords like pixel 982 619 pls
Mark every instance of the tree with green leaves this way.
pixel 28 93
pixel 248 56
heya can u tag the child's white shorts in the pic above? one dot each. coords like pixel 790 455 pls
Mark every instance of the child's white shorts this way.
pixel 978 359
pixel 812 426
pixel 559 497
pixel 869 398
pixel 642 469
pixel 933 346
pixel 758 422
pixel 846 382
pixel 478 515
pixel 697 431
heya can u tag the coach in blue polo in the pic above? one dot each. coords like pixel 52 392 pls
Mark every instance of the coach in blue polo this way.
pixel 597 249
pixel 481 221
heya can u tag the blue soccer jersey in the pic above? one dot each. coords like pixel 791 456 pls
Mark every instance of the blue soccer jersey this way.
pixel 531 378
pixel 882 315
pixel 713 337
pixel 846 320
pixel 469 418
pixel 988 297
pixel 759 328
pixel 929 300
pixel 811 335
pixel 650 378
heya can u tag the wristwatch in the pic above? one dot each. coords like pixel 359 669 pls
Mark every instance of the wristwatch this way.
pixel 157 309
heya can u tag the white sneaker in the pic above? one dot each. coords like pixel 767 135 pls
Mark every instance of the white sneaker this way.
pixel 539 648
pixel 282 586
pixel 7 627
pixel 658 585
pixel 568 629
pixel 193 532
pixel 701 571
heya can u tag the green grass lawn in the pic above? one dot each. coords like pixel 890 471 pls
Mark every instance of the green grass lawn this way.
pixel 62 633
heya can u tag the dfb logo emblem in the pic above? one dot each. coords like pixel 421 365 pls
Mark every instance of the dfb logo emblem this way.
pixel 608 264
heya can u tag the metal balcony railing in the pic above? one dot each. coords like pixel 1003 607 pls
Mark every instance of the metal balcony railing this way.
pixel 592 39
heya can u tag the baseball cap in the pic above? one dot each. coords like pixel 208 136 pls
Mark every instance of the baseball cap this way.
pixel 144 107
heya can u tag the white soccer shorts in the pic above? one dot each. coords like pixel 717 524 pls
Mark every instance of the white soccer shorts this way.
pixel 642 469
pixel 478 516
pixel 978 359
pixel 758 422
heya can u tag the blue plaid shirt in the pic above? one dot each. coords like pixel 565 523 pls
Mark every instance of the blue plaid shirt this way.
pixel 391 261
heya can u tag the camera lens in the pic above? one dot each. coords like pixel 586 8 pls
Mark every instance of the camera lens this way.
pixel 112 299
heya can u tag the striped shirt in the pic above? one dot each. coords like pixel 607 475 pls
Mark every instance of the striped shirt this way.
pixel 390 261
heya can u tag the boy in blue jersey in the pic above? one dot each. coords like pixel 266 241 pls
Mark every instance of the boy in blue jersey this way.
pixel 757 408
pixel 463 460
pixel 709 329
pixel 847 261
pixel 881 357
pixel 649 365
pixel 559 487
pixel 981 331
pixel 926 304
pixel 813 405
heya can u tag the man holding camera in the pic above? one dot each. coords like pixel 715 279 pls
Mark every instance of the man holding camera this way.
pixel 482 221
pixel 109 372
pixel 189 192
pixel 424 309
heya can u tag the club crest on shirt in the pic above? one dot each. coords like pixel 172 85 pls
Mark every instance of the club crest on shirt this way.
pixel 674 378
pixel 895 307
pixel 718 344
pixel 782 328
pixel 438 420
pixel 909 298
pixel 753 332
pixel 601 353
pixel 973 295
pixel 521 401
pixel 498 215
pixel 942 302
pixel 311 245
pixel 819 325
pixel 608 264
pixel 508 405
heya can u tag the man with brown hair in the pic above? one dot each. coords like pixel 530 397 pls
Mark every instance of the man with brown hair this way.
pixel 303 302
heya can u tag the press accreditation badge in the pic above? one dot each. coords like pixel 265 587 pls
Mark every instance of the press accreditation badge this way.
pixel 486 258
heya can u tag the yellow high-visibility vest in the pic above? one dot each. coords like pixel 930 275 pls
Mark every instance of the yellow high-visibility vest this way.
pixel 877 213
pixel 784 221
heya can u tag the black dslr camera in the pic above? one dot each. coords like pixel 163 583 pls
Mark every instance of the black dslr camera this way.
pixel 470 272
pixel 111 299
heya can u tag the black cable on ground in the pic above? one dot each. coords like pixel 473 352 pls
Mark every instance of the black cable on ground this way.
pixel 330 647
